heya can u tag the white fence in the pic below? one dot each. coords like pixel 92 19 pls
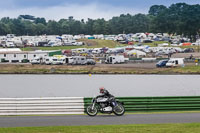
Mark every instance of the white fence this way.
pixel 41 106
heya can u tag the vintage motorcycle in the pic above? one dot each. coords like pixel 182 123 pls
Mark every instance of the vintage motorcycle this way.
pixel 105 105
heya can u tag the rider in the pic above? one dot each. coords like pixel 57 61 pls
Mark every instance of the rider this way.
pixel 105 93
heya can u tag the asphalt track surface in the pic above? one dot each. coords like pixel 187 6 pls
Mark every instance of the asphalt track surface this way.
pixel 77 120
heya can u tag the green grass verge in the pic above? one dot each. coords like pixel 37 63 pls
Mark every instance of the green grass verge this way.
pixel 187 69
pixel 39 69
pixel 136 128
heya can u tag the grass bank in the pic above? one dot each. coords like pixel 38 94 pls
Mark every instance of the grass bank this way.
pixel 95 43
pixel 137 128
pixel 98 69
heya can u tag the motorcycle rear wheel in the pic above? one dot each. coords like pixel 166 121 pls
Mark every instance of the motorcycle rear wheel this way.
pixel 90 111
pixel 119 110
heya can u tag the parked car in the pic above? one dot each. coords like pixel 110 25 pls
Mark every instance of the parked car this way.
pixel 188 50
pixel 91 62
pixel 147 41
pixel 161 63
pixel 35 61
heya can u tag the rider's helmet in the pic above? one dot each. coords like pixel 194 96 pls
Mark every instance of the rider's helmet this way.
pixel 102 89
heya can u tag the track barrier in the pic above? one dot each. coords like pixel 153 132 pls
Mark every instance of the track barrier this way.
pixel 157 104
pixel 41 106
pixel 77 105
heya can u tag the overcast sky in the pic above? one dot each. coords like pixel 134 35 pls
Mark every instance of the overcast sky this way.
pixel 80 9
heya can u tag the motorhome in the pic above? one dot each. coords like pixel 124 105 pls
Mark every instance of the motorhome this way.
pixel 54 61
pixel 115 59
pixel 69 60
pixel 173 62
pixel 8 44
pixel 10 35
pixel 81 60
pixel 55 42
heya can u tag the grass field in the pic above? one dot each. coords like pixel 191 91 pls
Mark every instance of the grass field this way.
pixel 88 44
pixel 137 128
pixel 95 43
pixel 98 44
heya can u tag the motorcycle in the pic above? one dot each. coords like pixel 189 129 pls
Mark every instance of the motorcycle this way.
pixel 105 105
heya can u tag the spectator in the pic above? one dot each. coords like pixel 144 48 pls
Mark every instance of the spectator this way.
pixel 191 56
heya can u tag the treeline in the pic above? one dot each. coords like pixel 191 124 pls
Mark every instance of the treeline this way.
pixel 179 18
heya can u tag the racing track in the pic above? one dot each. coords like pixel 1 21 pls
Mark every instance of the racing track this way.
pixel 69 120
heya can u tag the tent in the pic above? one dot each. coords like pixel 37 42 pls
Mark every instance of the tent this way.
pixel 186 44
pixel 135 52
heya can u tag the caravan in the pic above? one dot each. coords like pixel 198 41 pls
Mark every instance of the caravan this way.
pixel 115 59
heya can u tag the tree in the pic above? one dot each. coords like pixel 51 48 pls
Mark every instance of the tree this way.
pixel 40 29
pixel 65 28
pixel 4 29
pixel 53 28
pixel 99 26
pixel 179 18
pixel 156 9
pixel 40 20
pixel 89 26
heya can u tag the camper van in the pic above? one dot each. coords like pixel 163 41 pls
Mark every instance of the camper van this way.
pixel 173 62
pixel 81 60
pixel 115 59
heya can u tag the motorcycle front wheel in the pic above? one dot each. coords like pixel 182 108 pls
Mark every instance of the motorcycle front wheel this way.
pixel 90 111
pixel 119 110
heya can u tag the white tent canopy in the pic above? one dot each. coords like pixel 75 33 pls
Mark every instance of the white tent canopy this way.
pixel 135 52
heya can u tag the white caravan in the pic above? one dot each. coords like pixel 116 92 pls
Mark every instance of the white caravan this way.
pixel 173 62
pixel 115 59
pixel 96 50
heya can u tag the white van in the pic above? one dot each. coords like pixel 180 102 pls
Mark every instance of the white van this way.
pixel 173 62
